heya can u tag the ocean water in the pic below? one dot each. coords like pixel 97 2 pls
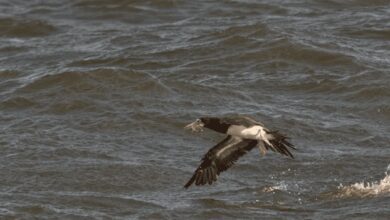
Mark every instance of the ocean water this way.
pixel 94 95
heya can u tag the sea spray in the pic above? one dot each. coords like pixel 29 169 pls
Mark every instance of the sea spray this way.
pixel 363 189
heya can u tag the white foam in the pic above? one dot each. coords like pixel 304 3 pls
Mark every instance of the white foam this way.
pixel 281 186
pixel 363 189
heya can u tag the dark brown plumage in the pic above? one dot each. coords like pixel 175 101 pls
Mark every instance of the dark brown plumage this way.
pixel 219 158
pixel 223 155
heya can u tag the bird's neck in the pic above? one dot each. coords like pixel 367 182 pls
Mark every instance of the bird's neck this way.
pixel 218 126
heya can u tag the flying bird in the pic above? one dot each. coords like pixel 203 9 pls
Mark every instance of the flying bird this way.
pixel 243 134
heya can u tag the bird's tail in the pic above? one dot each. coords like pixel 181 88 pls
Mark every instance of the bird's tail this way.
pixel 278 142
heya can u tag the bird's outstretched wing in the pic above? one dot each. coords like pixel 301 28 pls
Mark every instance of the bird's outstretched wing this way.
pixel 220 158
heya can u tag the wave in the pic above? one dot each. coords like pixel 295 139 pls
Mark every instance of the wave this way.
pixel 17 102
pixel 364 189
pixel 97 80
pixel 25 28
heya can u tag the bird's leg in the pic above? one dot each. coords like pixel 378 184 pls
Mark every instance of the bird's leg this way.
pixel 265 137
pixel 260 143
pixel 262 148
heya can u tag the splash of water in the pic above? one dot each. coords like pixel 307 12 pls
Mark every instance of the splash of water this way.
pixel 281 186
pixel 363 189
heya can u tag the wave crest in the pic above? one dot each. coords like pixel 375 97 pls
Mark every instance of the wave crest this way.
pixel 364 189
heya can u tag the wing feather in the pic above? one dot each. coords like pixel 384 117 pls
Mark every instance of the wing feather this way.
pixel 280 143
pixel 220 158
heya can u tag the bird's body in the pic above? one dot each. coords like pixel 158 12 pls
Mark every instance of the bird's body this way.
pixel 244 133
pixel 255 132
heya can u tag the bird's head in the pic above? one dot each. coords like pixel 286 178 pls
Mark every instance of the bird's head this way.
pixel 196 126
pixel 212 123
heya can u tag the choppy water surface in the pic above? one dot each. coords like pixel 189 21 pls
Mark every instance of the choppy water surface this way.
pixel 94 96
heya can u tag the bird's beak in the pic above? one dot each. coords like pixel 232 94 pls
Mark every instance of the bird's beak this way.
pixel 195 126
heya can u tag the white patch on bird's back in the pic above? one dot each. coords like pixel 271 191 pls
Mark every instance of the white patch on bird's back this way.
pixel 255 132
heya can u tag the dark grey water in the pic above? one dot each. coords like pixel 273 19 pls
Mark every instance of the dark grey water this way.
pixel 94 96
